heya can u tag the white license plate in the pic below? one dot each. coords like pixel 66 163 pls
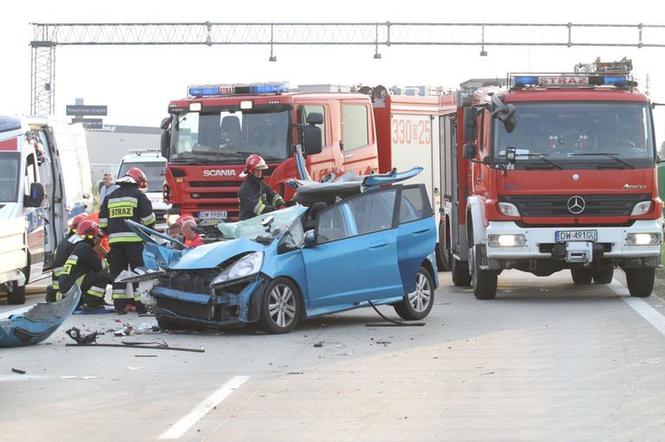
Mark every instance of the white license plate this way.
pixel 213 214
pixel 575 235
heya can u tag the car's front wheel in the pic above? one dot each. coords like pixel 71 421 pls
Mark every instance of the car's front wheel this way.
pixel 281 308
pixel 417 304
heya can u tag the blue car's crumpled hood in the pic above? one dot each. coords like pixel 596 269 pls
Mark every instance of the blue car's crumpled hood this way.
pixel 211 255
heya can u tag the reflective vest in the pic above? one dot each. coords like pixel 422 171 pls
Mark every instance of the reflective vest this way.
pixel 126 202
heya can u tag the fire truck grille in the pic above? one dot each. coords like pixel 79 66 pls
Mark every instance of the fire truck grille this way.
pixel 582 205
pixel 235 184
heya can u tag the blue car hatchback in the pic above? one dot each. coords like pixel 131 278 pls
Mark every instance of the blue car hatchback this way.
pixel 351 244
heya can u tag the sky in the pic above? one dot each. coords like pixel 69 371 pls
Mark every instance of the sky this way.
pixel 136 83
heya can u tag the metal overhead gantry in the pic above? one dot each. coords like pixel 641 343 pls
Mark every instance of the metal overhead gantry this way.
pixel 46 36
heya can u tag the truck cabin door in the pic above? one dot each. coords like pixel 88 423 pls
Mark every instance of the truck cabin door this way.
pixel 479 171
pixel 323 163
pixel 358 142
pixel 34 218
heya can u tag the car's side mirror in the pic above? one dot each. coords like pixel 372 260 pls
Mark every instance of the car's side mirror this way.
pixel 36 195
pixel 310 238
pixel 659 159
pixel 312 140
pixel 470 151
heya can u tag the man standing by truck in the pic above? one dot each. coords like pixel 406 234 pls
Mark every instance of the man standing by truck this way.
pixel 126 202
pixel 256 197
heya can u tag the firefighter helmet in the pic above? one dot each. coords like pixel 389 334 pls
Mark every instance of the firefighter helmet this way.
pixel 136 176
pixel 74 223
pixel 254 162
pixel 87 229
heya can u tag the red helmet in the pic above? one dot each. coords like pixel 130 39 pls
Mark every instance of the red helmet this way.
pixel 74 223
pixel 254 162
pixel 87 229
pixel 185 219
pixel 137 176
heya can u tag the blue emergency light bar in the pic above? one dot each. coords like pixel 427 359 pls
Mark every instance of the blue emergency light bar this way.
pixel 568 81
pixel 215 90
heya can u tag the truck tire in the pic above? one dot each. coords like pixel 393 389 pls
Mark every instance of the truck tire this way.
pixel 443 255
pixel 15 293
pixel 603 276
pixel 484 282
pixel 640 281
pixel 581 276
pixel 460 273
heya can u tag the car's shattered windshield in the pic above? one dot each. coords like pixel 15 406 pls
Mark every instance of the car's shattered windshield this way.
pixel 254 227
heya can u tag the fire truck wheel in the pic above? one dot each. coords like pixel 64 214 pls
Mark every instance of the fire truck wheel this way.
pixel 460 273
pixel 483 281
pixel 581 276
pixel 640 281
pixel 603 276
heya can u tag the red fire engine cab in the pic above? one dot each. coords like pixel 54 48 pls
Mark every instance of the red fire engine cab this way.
pixel 556 172
pixel 208 136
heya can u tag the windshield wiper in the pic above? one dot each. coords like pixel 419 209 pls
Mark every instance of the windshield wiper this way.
pixel 603 154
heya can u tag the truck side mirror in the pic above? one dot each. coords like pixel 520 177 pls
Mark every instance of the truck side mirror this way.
pixel 315 118
pixel 470 151
pixel 312 140
pixel 36 195
pixel 165 140
pixel 470 124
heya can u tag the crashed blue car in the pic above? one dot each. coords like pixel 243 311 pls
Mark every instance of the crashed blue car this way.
pixel 345 245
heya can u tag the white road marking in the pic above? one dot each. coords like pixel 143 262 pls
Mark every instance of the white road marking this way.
pixel 217 396
pixel 653 316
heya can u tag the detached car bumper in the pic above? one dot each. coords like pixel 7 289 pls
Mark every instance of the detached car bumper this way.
pixel 508 241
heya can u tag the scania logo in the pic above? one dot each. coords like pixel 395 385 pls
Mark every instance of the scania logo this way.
pixel 576 205
pixel 219 172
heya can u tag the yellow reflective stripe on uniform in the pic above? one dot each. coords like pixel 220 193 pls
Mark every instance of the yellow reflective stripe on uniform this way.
pixel 120 294
pixel 150 219
pixel 259 208
pixel 71 262
pixel 103 222
pixel 55 285
pixel 125 201
pixel 277 200
pixel 120 237
pixel 96 291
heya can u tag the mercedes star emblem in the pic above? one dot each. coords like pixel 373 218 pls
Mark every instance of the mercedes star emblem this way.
pixel 576 205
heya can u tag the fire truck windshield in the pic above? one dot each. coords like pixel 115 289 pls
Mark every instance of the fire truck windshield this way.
pixel 579 134
pixel 229 136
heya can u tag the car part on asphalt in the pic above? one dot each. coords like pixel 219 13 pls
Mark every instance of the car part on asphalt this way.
pixel 391 322
pixel 38 323
pixel 149 345
pixel 76 335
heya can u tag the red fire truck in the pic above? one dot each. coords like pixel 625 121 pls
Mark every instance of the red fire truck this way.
pixel 556 172
pixel 209 135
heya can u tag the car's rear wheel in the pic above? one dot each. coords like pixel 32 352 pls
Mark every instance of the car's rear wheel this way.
pixel 281 308
pixel 581 276
pixel 417 304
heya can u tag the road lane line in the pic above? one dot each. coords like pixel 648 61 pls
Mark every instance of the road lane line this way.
pixel 653 316
pixel 217 396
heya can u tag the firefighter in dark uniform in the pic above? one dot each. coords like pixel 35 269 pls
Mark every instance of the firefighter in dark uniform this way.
pixel 126 202
pixel 255 196
pixel 85 267
pixel 62 252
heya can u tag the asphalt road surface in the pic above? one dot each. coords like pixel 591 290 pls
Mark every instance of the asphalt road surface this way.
pixel 544 361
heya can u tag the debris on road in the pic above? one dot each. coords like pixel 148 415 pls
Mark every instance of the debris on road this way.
pixel 84 378
pixel 145 356
pixel 80 338
pixel 318 345
pixel 152 345
pixel 125 330
pixel 19 371
pixel 135 368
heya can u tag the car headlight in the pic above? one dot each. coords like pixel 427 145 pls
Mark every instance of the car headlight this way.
pixel 506 240
pixel 508 209
pixel 643 239
pixel 245 266
pixel 641 208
